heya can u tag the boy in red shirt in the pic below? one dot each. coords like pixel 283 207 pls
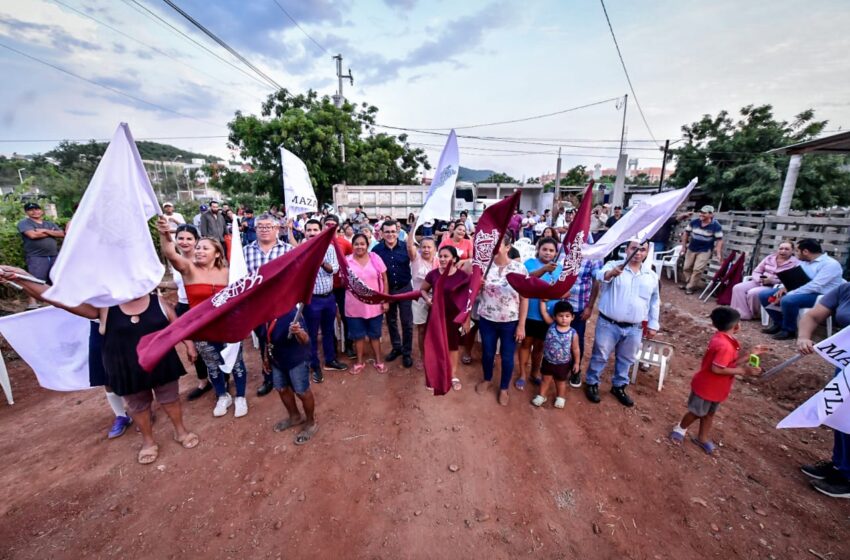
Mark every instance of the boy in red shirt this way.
pixel 712 384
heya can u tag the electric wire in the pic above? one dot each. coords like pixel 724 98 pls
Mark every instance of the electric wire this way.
pixel 315 42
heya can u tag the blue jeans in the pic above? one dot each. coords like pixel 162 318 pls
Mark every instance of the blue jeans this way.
pixel 790 304
pixel 210 352
pixel 503 333
pixel 401 310
pixel 579 325
pixel 321 312
pixel 624 342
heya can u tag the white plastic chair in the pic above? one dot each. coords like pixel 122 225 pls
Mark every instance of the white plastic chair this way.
pixel 4 381
pixel 670 262
pixel 653 353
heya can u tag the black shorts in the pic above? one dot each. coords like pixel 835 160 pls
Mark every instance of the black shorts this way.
pixel 560 372
pixel 536 329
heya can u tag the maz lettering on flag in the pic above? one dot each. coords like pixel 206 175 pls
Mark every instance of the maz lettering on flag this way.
pixel 239 287
pixel 832 397
pixel 573 259
pixel 303 201
pixel 485 244
pixel 831 351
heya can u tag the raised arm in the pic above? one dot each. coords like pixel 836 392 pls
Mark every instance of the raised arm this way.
pixel 411 247
pixel 8 274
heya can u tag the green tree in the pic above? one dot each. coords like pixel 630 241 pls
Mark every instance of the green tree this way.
pixel 730 159
pixel 500 178
pixel 575 176
pixel 310 127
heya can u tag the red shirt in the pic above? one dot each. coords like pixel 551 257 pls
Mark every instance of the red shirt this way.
pixel 723 352
pixel 345 245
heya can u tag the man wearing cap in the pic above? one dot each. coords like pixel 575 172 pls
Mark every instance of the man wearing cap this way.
pixel 702 236
pixel 40 247
pixel 173 218
pixel 196 221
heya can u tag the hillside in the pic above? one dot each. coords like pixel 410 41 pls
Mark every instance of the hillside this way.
pixel 473 175
pixel 148 150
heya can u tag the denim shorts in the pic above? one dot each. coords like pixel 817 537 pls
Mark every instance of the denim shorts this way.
pixel 297 378
pixel 359 328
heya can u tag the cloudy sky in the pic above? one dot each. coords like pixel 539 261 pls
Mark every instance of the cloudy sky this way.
pixel 425 64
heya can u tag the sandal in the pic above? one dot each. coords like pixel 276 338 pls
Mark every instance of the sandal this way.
pixel 456 385
pixel 537 380
pixel 520 384
pixel 288 423
pixel 677 436
pixel 306 434
pixel 357 368
pixel 189 441
pixel 380 367
pixel 148 455
pixel 707 446
pixel 560 402
pixel 466 359
pixel 538 401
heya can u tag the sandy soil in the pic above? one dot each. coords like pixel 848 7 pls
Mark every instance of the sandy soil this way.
pixel 397 473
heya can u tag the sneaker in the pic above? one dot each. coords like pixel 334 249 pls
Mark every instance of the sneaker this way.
pixel 350 353
pixel 222 404
pixel 592 393
pixel 241 407
pixel 620 393
pixel 318 376
pixel 265 388
pixel 335 365
pixel 820 470
pixel 839 487
pixel 575 380
pixel 407 362
pixel 392 355
pixel 119 426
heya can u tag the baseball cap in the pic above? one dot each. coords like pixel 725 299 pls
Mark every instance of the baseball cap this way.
pixel 708 209
pixel 31 206
pixel 164 204
pixel 204 208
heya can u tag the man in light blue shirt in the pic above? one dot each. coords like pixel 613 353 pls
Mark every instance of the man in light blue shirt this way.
pixel 628 296
pixel 825 273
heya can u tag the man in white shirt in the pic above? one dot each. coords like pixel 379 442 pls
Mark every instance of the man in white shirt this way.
pixel 342 214
pixel 628 296
pixel 173 218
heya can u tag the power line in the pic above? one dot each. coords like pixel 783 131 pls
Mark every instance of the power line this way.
pixel 151 14
pixel 139 41
pixel 628 79
pixel 315 42
pixel 524 119
pixel 224 45
pixel 45 141
pixel 104 86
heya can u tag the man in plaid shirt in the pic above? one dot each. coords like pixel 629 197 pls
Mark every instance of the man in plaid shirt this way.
pixel 582 297
pixel 265 248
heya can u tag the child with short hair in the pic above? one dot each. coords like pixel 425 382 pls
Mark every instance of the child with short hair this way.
pixel 711 385
pixel 560 352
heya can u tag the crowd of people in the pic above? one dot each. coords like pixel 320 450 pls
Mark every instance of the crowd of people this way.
pixel 544 339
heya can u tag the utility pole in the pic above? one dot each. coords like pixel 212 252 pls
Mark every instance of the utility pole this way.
pixel 663 164
pixel 555 205
pixel 620 183
pixel 339 99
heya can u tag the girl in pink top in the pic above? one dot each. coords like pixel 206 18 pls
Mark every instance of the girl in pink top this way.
pixel 365 321
pixel 745 296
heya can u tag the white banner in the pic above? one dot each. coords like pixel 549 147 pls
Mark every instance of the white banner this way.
pixel 54 343
pixel 640 222
pixel 238 270
pixel 108 256
pixel 438 201
pixel 836 349
pixel 298 194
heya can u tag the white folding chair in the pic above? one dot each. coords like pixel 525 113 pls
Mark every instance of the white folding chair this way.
pixel 653 353
pixel 670 262
pixel 4 381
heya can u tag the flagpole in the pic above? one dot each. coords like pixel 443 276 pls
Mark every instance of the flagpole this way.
pixel 32 279
pixel 298 314
pixel 776 369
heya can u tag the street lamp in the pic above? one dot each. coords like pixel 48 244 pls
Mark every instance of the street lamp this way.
pixel 20 176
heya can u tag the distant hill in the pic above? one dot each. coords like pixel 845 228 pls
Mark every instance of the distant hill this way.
pixel 473 175
pixel 148 150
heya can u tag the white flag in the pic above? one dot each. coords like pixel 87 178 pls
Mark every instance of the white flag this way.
pixel 54 343
pixel 831 405
pixel 238 270
pixel 641 222
pixel 108 257
pixel 438 201
pixel 298 194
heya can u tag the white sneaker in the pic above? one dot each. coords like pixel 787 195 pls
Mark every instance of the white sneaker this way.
pixel 241 408
pixel 222 405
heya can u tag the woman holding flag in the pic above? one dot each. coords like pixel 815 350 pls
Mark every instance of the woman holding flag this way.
pixel 122 326
pixel 204 276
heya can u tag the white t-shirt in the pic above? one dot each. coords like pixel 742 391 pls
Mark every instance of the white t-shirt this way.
pixel 181 288
pixel 174 220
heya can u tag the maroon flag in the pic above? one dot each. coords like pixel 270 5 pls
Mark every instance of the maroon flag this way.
pixel 360 290
pixel 437 362
pixel 577 233
pixel 489 232
pixel 231 314
pixel 734 277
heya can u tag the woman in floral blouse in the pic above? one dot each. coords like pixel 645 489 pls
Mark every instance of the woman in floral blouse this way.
pixel 499 307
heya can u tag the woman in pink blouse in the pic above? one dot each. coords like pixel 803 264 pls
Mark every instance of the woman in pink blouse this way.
pixel 745 295
pixel 459 241
pixel 365 321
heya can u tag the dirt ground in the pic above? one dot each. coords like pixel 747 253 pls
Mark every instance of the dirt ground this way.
pixel 397 473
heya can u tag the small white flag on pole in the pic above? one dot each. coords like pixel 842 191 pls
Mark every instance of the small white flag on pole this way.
pixel 298 194
pixel 640 222
pixel 238 270
pixel 54 343
pixel 108 257
pixel 438 200
pixel 831 405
